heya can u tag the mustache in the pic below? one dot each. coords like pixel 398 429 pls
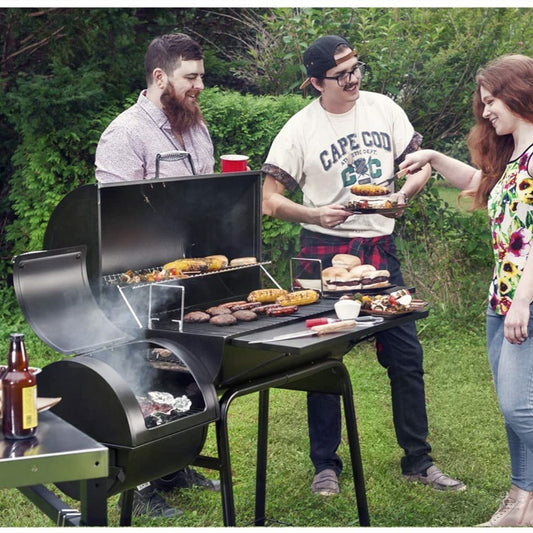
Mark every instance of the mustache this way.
pixel 350 86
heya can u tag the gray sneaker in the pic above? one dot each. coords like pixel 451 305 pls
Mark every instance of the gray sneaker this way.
pixel 325 483
pixel 436 479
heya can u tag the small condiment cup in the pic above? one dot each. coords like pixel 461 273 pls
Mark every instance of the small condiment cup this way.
pixel 347 309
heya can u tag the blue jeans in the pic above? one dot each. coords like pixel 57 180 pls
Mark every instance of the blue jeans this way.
pixel 399 351
pixel 512 370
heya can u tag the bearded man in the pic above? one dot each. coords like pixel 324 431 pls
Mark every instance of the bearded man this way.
pixel 165 118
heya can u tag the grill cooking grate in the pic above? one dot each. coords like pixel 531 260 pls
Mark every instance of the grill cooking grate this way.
pixel 143 277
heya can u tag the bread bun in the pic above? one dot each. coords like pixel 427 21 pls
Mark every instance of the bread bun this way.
pixel 361 270
pixel 375 279
pixel 346 261
pixel 338 279
pixel 241 261
pixel 332 272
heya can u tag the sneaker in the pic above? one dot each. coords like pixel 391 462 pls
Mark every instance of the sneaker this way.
pixel 185 478
pixel 325 483
pixel 147 502
pixel 516 509
pixel 436 479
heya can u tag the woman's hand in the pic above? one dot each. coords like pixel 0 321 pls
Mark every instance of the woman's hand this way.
pixel 516 322
pixel 416 160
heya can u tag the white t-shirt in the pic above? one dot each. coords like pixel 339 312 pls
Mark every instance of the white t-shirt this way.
pixel 324 154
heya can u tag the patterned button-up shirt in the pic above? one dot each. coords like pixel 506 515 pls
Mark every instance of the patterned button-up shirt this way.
pixel 128 147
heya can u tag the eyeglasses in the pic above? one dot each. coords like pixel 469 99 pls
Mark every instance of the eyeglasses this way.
pixel 344 77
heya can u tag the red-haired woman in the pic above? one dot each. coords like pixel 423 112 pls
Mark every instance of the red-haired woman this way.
pixel 501 147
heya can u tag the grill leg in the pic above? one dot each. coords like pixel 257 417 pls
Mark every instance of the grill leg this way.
pixel 261 468
pixel 355 452
pixel 126 508
pixel 226 483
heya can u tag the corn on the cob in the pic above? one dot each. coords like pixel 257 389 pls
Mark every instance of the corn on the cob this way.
pixel 216 262
pixel 187 265
pixel 266 295
pixel 303 297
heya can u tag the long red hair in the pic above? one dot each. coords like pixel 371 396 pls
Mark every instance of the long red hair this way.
pixel 509 78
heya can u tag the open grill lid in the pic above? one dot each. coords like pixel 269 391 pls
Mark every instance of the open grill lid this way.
pixel 145 224
pixel 55 297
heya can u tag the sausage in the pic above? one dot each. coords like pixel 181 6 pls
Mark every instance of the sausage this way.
pixel 265 308
pixel 282 311
pixel 229 305
pixel 245 306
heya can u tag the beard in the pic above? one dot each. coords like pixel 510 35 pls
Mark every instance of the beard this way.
pixel 182 112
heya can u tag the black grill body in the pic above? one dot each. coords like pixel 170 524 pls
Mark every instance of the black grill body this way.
pixel 70 296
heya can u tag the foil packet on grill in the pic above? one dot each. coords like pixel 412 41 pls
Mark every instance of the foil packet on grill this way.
pixel 162 407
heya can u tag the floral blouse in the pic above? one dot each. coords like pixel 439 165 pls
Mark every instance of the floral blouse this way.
pixel 510 208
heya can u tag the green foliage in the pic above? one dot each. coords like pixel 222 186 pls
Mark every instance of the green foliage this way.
pixel 245 123
pixel 425 59
pixel 447 254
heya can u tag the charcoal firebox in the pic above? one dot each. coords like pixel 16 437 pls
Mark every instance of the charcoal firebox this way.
pixel 117 388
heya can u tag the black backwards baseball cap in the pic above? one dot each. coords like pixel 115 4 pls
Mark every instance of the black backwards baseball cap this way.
pixel 319 56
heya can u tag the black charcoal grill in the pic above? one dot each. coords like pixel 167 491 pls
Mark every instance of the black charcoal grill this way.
pixel 130 339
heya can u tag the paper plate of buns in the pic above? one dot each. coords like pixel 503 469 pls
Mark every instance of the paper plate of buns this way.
pixel 348 274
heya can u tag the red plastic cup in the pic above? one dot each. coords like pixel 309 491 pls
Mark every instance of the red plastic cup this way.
pixel 233 162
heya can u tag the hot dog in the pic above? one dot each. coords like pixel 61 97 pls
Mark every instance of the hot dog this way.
pixel 282 310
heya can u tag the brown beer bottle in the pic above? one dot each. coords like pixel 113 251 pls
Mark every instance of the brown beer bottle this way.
pixel 19 390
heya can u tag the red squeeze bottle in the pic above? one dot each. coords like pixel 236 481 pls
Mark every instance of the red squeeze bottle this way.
pixel 19 392
pixel 310 322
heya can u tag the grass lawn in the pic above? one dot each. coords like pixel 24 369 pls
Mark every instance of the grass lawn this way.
pixel 449 194
pixel 466 432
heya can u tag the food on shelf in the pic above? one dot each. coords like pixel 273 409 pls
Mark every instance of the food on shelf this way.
pixel 398 301
pixel 242 261
pixel 216 262
pixel 358 277
pixel 181 266
pixel 346 261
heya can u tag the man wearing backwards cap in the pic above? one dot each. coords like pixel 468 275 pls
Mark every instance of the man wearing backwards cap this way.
pixel 346 137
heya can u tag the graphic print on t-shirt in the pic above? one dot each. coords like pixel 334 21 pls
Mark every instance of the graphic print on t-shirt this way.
pixel 360 160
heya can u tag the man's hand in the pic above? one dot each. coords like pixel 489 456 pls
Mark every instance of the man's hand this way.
pixel 331 216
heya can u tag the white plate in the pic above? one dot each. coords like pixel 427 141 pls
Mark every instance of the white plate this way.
pixel 314 284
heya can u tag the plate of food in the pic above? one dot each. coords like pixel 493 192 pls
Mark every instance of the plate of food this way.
pixel 386 313
pixel 370 199
pixel 314 284
pixel 347 274
pixel 399 302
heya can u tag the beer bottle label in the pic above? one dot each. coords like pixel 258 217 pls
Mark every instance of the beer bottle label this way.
pixel 29 407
